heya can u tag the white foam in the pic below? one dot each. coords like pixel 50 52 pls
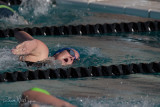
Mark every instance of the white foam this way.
pixel 8 61
pixel 37 7
pixel 15 20
pixel 52 64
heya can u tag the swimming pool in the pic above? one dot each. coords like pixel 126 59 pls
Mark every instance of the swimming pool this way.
pixel 107 49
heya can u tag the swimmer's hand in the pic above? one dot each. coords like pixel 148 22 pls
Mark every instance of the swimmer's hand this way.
pixel 25 47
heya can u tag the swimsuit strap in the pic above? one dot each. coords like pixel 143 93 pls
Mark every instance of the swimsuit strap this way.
pixel 40 90
pixel 4 6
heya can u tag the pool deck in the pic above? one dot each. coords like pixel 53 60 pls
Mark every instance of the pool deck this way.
pixel 142 8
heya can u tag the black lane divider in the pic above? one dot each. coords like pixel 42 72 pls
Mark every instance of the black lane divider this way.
pixel 12 2
pixel 92 71
pixel 87 29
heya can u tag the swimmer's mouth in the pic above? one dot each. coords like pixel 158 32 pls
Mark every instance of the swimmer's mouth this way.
pixel 66 60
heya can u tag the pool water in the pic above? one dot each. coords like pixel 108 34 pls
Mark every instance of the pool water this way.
pixel 41 13
pixel 136 90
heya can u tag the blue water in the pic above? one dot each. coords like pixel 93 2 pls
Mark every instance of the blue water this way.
pixel 136 90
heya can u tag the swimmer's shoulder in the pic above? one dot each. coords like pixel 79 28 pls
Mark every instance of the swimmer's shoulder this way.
pixel 42 45
pixel 41 50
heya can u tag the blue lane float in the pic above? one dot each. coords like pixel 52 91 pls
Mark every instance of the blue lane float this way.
pixel 87 29
pixel 79 72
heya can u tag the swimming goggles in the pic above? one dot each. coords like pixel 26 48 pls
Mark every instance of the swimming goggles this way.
pixel 69 50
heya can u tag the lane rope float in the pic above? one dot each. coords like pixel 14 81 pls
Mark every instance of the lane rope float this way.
pixel 79 72
pixel 87 29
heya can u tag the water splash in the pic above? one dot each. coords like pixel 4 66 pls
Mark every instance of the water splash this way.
pixel 9 62
pixel 49 12
pixel 35 7
pixel 52 63
pixel 15 20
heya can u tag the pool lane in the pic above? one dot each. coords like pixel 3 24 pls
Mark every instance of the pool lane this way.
pixel 133 90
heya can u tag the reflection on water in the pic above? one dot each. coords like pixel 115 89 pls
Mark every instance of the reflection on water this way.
pixel 9 62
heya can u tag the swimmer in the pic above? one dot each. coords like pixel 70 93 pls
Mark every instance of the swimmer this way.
pixel 37 97
pixel 5 10
pixel 33 50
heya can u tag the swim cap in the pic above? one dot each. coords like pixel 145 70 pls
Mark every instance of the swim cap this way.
pixel 40 90
pixel 6 7
pixel 72 53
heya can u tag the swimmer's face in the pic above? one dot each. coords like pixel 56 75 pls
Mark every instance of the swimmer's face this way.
pixel 65 57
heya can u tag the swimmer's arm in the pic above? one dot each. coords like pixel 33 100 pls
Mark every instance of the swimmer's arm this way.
pixel 25 48
pixel 47 99
pixel 22 36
